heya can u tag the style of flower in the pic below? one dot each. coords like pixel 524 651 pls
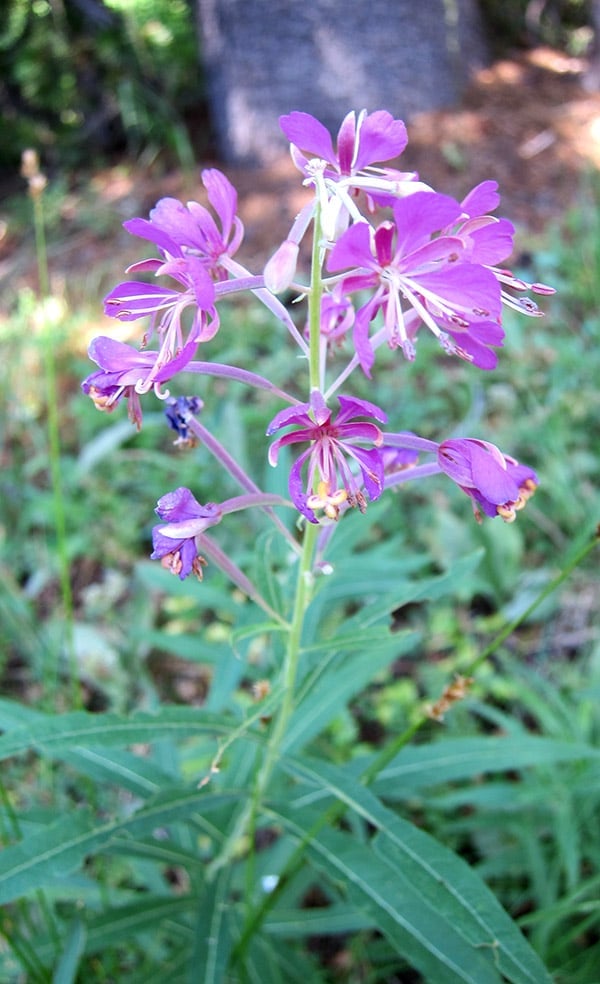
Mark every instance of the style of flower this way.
pixel 405 262
pixel 126 372
pixel 497 484
pixel 339 467
pixel 174 540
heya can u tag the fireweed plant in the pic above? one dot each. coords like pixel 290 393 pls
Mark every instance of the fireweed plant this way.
pixel 392 259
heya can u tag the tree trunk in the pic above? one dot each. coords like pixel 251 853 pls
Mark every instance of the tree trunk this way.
pixel 325 57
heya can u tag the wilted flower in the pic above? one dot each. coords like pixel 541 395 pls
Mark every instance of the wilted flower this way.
pixel 498 484
pixel 174 540
pixel 126 372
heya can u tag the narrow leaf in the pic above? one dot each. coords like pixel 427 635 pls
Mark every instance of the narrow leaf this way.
pixel 438 876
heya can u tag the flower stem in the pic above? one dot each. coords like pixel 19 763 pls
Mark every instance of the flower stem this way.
pixel 54 453
pixel 246 820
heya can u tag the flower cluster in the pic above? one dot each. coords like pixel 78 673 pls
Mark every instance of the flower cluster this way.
pixel 392 259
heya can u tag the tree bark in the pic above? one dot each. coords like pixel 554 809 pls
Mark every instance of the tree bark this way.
pixel 325 57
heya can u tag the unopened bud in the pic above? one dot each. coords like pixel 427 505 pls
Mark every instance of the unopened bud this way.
pixel 280 269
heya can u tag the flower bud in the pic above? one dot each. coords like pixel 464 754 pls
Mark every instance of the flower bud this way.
pixel 280 269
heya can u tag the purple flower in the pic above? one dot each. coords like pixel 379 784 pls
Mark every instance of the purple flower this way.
pixel 489 241
pixel 191 231
pixel 134 299
pixel 125 372
pixel 195 253
pixel 337 316
pixel 371 139
pixel 174 540
pixel 338 174
pixel 497 484
pixel 332 451
pixel 404 262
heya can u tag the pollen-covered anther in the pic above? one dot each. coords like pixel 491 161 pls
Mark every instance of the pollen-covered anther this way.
pixel 525 492
pixel 329 502
pixel 101 401
pixel 197 564
pixel 508 512
pixel 172 562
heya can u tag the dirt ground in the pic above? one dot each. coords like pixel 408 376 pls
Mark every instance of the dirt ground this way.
pixel 527 122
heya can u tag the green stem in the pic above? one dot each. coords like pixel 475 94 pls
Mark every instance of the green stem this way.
pixel 246 820
pixel 54 450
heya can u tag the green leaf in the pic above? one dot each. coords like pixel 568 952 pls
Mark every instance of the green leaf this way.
pixel 213 931
pixel 418 767
pixel 432 876
pixel 412 924
pixel 190 647
pixel 333 683
pixel 322 921
pixel 66 970
pixel 55 850
pixel 49 734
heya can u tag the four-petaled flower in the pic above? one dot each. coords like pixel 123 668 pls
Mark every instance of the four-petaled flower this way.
pixel 370 139
pixel 404 262
pixel 338 174
pixel 338 467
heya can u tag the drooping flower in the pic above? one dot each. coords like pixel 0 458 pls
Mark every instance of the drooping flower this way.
pixel 418 275
pixel 339 466
pixel 181 536
pixel 497 484
pixel 174 540
pixel 126 372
